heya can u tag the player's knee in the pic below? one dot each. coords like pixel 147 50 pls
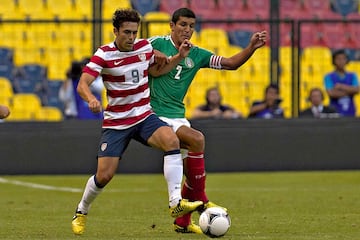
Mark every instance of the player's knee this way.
pixel 104 177
pixel 172 142
pixel 197 141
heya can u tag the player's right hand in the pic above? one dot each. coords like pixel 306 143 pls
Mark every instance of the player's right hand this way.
pixel 185 47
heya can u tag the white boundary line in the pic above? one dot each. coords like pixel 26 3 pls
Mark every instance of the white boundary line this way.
pixel 39 186
pixel 61 189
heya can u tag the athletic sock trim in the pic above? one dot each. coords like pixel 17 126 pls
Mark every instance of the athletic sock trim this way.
pixel 172 152
pixel 97 183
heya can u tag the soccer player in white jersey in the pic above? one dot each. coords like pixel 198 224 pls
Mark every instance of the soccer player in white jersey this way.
pixel 124 66
pixel 168 92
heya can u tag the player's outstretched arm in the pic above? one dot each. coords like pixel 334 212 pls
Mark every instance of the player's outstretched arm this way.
pixel 158 70
pixel 85 93
pixel 257 40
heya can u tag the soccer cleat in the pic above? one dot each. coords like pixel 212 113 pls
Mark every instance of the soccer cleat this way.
pixel 209 205
pixel 183 207
pixel 191 228
pixel 78 223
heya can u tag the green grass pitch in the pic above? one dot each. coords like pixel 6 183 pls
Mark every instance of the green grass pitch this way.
pixel 317 205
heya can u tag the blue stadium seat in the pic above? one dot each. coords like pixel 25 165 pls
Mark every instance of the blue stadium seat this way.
pixel 240 37
pixel 33 72
pixel 30 78
pixel 145 6
pixel 6 55
pixel 345 7
pixel 6 70
pixel 52 94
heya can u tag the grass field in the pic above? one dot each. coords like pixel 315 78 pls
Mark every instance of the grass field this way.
pixel 262 206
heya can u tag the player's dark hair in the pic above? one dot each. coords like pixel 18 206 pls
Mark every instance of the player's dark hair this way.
pixel 339 52
pixel 272 86
pixel 125 15
pixel 182 12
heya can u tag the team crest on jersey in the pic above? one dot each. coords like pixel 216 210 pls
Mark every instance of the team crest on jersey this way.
pixel 103 146
pixel 142 57
pixel 189 62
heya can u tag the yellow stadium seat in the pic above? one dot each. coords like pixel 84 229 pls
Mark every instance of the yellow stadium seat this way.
pixel 59 62
pixel 209 77
pixel 70 9
pixel 11 10
pixel 213 39
pixel 229 50
pixel 12 34
pixel 25 103
pixel 19 115
pixel 107 33
pixel 4 100
pixel 318 55
pixel 49 114
pixel 6 89
pixel 160 28
pixel 34 9
pixel 354 66
pixel 109 7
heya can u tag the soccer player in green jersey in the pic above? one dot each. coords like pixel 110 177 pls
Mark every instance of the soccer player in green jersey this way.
pixel 167 94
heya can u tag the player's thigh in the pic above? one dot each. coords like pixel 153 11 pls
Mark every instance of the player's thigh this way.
pixel 191 138
pixel 157 133
pixel 164 138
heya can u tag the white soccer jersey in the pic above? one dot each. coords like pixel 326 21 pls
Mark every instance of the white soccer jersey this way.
pixel 125 76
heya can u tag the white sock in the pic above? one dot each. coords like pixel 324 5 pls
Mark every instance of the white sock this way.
pixel 90 193
pixel 173 172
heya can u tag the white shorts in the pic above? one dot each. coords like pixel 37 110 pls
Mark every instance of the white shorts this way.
pixel 175 124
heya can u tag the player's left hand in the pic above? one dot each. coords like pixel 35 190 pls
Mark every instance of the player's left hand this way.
pixel 160 59
pixel 95 105
pixel 258 39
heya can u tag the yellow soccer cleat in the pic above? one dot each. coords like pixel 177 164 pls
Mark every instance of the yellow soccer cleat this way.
pixel 209 205
pixel 184 207
pixel 78 223
pixel 191 228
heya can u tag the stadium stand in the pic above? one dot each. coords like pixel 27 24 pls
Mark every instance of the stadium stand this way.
pixel 213 39
pixel 157 28
pixel 170 6
pixel 345 7
pixel 240 37
pixel 204 9
pixel 55 43
pixel 31 78
pixel 69 9
pixel 48 114
pixel 260 8
pixel 6 70
pixel 52 94
pixel 6 55
pixel 24 106
pixel 109 7
pixel 6 92
pixel 145 6
pixel 34 9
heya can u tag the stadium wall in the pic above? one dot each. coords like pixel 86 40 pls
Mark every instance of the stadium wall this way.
pixel 69 147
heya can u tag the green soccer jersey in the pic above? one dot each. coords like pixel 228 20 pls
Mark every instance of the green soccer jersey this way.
pixel 168 91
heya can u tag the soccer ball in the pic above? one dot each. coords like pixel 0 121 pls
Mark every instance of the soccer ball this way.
pixel 214 222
